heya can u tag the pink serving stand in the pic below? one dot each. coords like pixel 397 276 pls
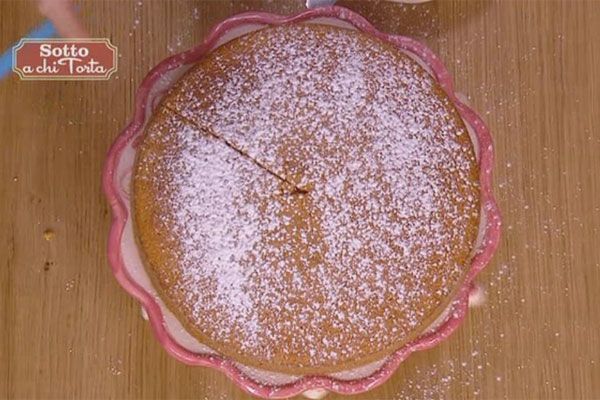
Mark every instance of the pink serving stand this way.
pixel 117 179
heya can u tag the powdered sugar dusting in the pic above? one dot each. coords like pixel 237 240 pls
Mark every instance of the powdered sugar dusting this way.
pixel 369 253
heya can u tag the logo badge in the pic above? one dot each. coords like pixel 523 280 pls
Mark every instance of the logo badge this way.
pixel 64 59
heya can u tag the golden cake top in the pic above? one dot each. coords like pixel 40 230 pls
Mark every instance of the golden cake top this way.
pixel 306 199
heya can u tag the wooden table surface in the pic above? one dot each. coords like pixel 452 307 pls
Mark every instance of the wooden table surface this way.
pixel 531 68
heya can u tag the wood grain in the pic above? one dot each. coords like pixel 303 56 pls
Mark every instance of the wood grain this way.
pixel 67 330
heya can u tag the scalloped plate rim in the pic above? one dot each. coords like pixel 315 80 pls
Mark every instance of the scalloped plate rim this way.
pixel 120 215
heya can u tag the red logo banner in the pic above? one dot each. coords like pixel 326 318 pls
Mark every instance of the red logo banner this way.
pixel 64 59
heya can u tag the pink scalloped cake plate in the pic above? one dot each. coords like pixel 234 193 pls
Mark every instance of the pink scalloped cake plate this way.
pixel 124 256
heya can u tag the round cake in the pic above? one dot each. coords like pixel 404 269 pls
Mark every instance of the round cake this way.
pixel 306 199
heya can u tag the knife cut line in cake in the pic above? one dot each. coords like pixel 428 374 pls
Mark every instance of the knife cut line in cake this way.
pixel 295 189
